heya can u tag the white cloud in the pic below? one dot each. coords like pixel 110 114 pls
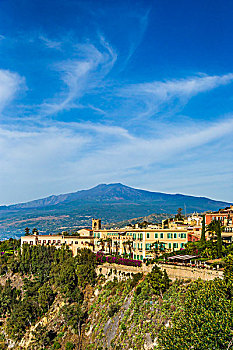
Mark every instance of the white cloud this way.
pixel 81 75
pixel 158 94
pixel 50 159
pixel 10 84
pixel 51 44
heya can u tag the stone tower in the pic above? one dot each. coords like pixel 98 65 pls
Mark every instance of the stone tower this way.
pixel 96 224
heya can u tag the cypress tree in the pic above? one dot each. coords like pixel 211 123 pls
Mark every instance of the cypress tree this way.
pixel 219 239
pixel 203 239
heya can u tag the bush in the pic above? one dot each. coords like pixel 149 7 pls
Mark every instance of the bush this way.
pixel 123 327
pixel 117 260
pixel 70 346
pixel 114 308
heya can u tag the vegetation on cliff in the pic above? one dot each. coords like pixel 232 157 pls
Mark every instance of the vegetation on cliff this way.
pixel 52 300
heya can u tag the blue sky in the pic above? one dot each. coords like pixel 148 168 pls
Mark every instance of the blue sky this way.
pixel 138 92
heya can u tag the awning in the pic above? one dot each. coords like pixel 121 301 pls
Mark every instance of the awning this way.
pixel 182 257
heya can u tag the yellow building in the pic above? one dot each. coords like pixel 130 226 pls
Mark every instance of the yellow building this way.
pixel 135 242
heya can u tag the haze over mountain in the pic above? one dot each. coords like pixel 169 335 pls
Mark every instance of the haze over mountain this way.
pixel 119 193
pixel 110 202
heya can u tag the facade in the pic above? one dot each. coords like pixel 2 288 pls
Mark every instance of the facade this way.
pixel 137 243
pixel 140 243
pixel 225 216
pixel 73 242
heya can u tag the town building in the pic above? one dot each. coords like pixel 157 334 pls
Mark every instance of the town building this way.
pixel 137 243
pixel 225 217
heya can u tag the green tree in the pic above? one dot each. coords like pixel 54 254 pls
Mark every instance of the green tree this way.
pixel 216 229
pixel 27 231
pixel 74 316
pixel 70 346
pixel 205 320
pixel 158 280
pixel 35 231
pixel 203 230
pixel 179 215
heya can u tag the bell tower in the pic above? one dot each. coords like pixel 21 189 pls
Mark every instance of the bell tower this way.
pixel 96 224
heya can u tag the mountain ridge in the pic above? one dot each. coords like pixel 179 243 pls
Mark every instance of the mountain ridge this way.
pixel 109 192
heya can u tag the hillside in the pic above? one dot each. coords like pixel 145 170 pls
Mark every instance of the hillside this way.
pixel 111 203
pixel 51 300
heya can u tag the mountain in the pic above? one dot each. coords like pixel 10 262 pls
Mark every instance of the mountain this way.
pixel 112 203
pixel 120 193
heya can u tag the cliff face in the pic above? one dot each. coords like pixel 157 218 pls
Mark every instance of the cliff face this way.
pixel 120 314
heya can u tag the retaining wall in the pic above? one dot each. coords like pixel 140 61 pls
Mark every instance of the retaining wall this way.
pixel 173 271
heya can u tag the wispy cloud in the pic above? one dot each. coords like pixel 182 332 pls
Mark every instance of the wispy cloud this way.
pixel 142 26
pixel 158 95
pixel 10 84
pixel 51 44
pixel 81 75
pixel 54 154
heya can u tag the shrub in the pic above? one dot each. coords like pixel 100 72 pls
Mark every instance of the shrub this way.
pixel 100 257
pixel 114 308
pixel 70 346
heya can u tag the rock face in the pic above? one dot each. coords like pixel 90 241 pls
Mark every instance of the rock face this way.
pixel 148 342
pixel 52 321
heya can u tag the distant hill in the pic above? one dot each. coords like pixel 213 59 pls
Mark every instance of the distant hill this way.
pixel 119 193
pixel 112 202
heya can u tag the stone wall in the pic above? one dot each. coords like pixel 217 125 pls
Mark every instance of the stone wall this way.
pixel 173 271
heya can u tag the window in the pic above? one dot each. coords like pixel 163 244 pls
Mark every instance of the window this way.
pixel 169 245
pixel 141 257
pixel 76 242
pixel 156 235
pixel 175 245
pixel 175 235
pixel 147 246
pixel 98 235
pixel 169 235
pixel 134 235
pixel 161 235
pixel 147 235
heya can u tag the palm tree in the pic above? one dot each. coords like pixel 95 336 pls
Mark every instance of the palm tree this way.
pixel 102 243
pixel 117 246
pixel 109 244
pixel 130 246
pixel 155 248
pixel 35 231
pixel 27 231
pixel 124 246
